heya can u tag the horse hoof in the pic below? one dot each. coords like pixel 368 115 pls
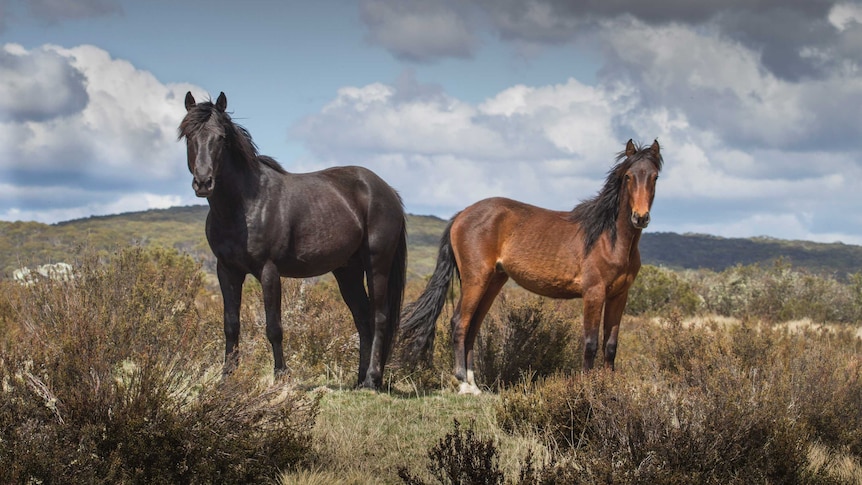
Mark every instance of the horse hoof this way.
pixel 367 385
pixel 466 388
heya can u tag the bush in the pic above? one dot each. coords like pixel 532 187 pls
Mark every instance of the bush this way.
pixel 737 405
pixel 320 337
pixel 459 458
pixel 525 336
pixel 111 379
pixel 658 290
pixel 779 293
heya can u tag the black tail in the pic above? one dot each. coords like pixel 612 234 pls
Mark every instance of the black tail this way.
pixel 419 319
pixel 395 291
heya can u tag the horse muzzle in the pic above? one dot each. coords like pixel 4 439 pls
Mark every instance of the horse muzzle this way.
pixel 203 188
pixel 640 221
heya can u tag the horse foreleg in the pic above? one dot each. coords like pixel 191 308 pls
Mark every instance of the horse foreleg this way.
pixel 270 282
pixel 230 283
pixel 594 301
pixel 613 315
pixel 353 292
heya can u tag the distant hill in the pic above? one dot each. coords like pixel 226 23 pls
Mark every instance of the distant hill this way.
pixel 694 251
pixel 33 243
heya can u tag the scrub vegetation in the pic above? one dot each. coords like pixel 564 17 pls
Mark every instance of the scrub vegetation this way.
pixel 751 374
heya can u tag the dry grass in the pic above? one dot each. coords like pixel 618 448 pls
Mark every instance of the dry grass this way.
pixel 98 374
pixel 832 465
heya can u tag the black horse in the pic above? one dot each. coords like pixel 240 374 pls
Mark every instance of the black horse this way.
pixel 271 223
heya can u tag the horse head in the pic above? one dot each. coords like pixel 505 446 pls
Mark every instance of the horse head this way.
pixel 205 141
pixel 640 179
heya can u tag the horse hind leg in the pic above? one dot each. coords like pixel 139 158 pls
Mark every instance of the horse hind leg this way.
pixel 464 330
pixel 350 283
pixel 494 287
pixel 381 323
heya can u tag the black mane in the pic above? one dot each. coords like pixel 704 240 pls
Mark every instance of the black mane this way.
pixel 599 214
pixel 237 138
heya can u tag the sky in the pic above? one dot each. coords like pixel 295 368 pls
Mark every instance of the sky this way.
pixel 757 104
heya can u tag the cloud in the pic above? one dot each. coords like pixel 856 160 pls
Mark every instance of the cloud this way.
pixel 766 159
pixel 38 86
pixel 780 31
pixel 793 39
pixel 52 204
pixel 721 86
pixel 417 30
pixel 94 125
pixel 549 145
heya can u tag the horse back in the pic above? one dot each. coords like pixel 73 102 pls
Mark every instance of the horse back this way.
pixel 532 245
pixel 542 250
pixel 308 224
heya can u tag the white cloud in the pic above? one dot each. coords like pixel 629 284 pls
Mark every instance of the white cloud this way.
pixel 746 152
pixel 120 139
pixel 124 203
pixel 844 15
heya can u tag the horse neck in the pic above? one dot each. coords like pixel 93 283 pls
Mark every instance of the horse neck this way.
pixel 628 236
pixel 237 187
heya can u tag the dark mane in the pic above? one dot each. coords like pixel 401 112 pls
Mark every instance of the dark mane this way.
pixel 237 138
pixel 599 214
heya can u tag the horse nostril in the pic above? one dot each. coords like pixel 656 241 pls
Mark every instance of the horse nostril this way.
pixel 201 187
pixel 640 221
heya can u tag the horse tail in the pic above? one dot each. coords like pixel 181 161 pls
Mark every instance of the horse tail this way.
pixel 395 290
pixel 418 321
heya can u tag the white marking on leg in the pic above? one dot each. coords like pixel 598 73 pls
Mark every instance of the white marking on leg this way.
pixel 471 377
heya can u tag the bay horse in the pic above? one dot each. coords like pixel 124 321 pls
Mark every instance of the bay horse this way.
pixel 270 223
pixel 590 252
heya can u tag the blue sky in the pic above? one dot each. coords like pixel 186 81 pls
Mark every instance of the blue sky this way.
pixel 756 104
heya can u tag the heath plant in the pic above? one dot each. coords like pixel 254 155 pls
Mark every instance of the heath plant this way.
pixel 112 377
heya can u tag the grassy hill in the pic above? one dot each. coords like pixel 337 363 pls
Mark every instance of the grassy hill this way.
pixel 32 243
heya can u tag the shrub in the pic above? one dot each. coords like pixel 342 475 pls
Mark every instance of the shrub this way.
pixel 461 457
pixel 743 404
pixel 780 293
pixel 658 290
pixel 320 337
pixel 525 336
pixel 111 379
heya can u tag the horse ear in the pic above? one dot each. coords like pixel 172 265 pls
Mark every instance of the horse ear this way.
pixel 221 102
pixel 190 101
pixel 654 149
pixel 630 148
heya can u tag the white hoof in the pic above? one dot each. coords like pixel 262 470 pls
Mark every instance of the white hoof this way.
pixel 466 388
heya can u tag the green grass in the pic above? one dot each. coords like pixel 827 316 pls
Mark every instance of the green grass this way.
pixel 366 436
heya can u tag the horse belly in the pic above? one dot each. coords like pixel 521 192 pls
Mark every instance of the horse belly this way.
pixel 304 260
pixel 546 283
pixel 297 268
